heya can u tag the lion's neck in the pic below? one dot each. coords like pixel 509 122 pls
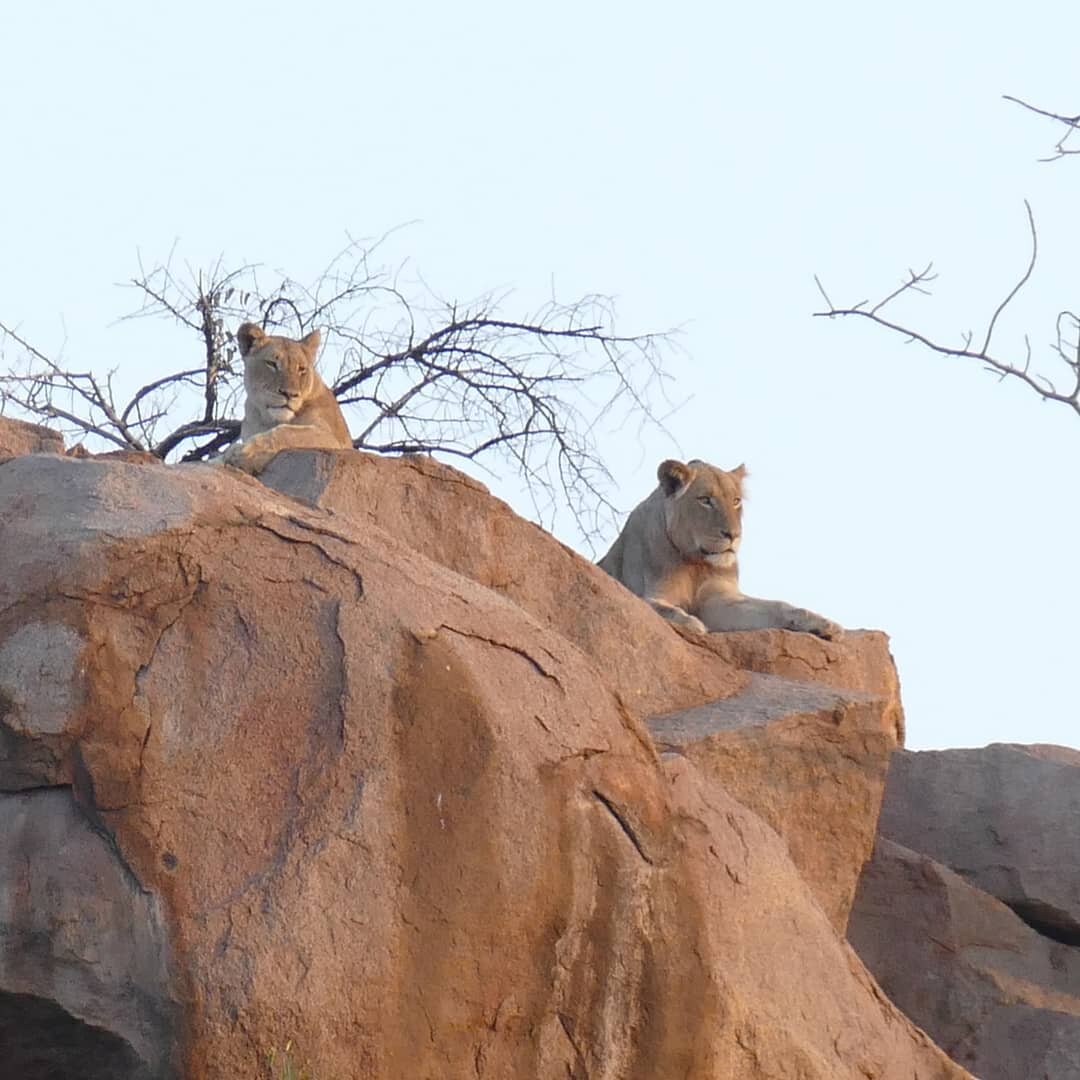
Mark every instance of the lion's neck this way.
pixel 685 577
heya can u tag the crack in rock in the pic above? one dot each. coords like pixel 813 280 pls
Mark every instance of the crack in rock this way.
pixel 623 824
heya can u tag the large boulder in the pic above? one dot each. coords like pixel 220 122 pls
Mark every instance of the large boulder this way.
pixel 809 759
pixel 814 767
pixel 1006 817
pixel 379 810
pixel 997 996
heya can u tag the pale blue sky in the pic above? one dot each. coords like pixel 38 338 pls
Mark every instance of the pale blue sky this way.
pixel 698 161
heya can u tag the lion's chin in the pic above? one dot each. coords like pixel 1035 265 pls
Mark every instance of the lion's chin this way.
pixel 281 413
pixel 718 558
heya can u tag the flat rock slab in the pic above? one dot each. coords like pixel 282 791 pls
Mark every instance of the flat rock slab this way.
pixel 861 660
pixel 811 760
pixel 1006 817
pixel 764 699
pixel 998 997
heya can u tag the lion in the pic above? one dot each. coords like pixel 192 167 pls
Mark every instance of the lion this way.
pixel 678 551
pixel 288 406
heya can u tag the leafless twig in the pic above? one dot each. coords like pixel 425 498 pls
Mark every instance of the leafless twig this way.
pixel 1072 124
pixel 1067 351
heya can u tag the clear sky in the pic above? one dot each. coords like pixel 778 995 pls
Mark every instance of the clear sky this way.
pixel 700 162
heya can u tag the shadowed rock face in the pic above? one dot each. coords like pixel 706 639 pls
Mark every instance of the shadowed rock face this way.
pixel 41 1040
pixel 1006 818
pixel 382 810
pixel 83 983
pixel 999 997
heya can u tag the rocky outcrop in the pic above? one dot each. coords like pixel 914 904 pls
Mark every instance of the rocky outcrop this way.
pixel 810 760
pixel 402 812
pixel 814 767
pixel 1006 818
pixel 998 997
pixel 18 437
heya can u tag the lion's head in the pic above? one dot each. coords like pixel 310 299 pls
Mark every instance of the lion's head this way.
pixel 279 373
pixel 702 510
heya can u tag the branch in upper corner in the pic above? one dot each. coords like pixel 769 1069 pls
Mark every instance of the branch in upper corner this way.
pixel 1072 124
pixel 1067 351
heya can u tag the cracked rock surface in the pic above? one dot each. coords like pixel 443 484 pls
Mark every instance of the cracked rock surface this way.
pixel 270 772
pixel 453 520
pixel 809 759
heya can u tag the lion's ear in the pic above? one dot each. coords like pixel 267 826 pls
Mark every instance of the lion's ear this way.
pixel 249 337
pixel 739 472
pixel 310 344
pixel 673 475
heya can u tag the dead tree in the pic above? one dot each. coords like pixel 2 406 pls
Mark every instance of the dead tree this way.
pixel 413 373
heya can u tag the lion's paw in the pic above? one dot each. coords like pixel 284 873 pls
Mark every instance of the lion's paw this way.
pixel 809 622
pixel 685 620
pixel 251 457
pixel 678 616
pixel 694 625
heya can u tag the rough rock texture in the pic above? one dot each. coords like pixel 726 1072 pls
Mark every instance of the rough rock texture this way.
pixel 1005 817
pixel 452 519
pixel 809 759
pixel 997 996
pixel 860 661
pixel 376 808
pixel 18 437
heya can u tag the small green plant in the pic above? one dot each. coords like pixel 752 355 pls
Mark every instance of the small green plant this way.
pixel 282 1065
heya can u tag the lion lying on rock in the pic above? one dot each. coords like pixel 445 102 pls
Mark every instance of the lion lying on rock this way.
pixel 288 406
pixel 678 551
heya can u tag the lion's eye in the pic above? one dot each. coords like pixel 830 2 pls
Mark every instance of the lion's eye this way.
pixel 707 500
pixel 272 365
pixel 738 502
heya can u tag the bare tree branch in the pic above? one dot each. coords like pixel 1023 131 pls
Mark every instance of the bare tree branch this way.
pixel 414 373
pixel 1066 351
pixel 1072 124
pixel 1021 283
